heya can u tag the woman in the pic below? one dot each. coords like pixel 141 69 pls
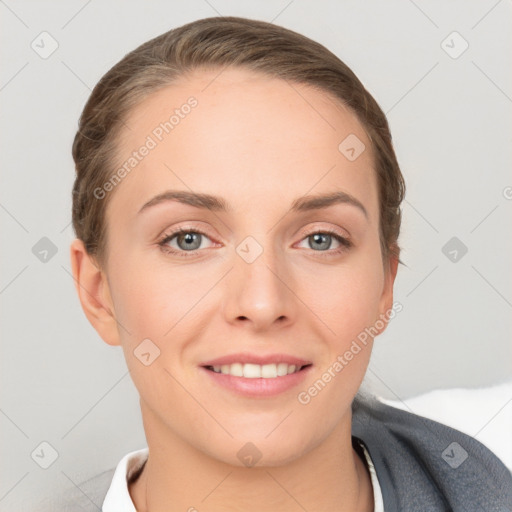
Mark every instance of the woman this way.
pixel 237 212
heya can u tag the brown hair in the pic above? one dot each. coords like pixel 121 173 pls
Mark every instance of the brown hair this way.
pixel 215 43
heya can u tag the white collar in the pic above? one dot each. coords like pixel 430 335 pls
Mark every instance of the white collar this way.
pixel 118 497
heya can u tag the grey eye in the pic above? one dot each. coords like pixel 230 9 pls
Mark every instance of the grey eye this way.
pixel 320 241
pixel 191 241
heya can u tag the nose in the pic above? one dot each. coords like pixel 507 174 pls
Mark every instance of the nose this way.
pixel 259 288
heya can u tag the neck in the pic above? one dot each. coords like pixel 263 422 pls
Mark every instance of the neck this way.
pixel 178 477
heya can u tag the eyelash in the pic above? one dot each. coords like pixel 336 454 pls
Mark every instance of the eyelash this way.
pixel 345 243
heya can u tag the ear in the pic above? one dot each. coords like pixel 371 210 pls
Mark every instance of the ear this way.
pixel 93 291
pixel 386 299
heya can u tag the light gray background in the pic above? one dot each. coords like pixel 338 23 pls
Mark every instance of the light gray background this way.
pixel 451 123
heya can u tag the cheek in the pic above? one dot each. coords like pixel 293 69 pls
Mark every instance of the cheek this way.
pixel 346 299
pixel 347 305
pixel 154 305
pixel 150 299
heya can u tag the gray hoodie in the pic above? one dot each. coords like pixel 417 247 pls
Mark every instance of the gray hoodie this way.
pixel 425 466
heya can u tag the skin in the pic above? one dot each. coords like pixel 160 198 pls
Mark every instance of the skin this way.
pixel 260 144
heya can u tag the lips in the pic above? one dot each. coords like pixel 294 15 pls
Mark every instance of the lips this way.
pixel 252 387
pixel 264 382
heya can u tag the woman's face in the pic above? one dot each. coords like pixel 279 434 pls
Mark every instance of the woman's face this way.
pixel 251 277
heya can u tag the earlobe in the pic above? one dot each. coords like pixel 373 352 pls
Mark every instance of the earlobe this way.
pixel 93 292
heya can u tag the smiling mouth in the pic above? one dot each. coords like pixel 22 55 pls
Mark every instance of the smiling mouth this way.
pixel 256 371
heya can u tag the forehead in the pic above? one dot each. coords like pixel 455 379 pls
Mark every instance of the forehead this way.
pixel 247 137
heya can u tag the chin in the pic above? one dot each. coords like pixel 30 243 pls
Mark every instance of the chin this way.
pixel 260 451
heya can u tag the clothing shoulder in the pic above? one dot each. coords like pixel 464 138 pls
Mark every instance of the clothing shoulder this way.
pixel 423 465
pixel 86 496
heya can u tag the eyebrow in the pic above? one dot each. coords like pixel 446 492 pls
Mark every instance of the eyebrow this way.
pixel 215 203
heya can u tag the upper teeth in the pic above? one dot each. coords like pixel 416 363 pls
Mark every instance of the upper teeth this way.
pixel 255 371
